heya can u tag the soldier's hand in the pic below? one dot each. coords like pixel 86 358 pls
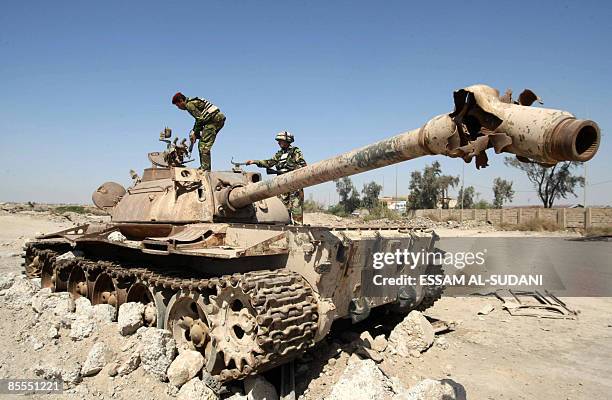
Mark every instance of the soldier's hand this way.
pixel 249 162
pixel 192 137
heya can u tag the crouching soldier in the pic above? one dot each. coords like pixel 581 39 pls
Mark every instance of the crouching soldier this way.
pixel 208 122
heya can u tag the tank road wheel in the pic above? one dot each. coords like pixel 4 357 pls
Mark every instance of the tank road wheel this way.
pixel 234 323
pixel 32 263
pixel 47 272
pixel 54 275
pixel 104 291
pixel 186 319
pixel 154 300
pixel 77 283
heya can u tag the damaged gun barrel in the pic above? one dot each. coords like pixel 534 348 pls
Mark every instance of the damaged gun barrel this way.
pixel 480 121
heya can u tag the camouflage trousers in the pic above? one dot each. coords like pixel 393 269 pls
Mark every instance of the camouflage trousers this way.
pixel 207 139
pixel 294 201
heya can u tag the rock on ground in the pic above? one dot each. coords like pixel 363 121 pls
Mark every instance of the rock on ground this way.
pixel 361 380
pixel 19 295
pixel 158 349
pixel 380 343
pixel 116 237
pixel 103 312
pixel 82 327
pixel 414 333
pixel 64 307
pixel 7 280
pixel 184 367
pixel 53 333
pixel 48 372
pixel 195 389
pixel 130 317
pixel 72 376
pixel 258 388
pixel 45 299
pixel 96 359
pixel 430 389
pixel 69 255
pixel 367 339
pixel 127 366
pixel 83 306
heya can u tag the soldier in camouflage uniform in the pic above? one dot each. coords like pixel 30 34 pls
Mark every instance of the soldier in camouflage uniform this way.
pixel 208 122
pixel 287 159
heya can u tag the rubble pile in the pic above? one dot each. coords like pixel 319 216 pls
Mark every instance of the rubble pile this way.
pixel 123 349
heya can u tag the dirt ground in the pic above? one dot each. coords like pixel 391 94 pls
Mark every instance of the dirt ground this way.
pixel 494 356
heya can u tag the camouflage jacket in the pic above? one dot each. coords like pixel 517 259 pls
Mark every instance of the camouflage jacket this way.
pixel 202 110
pixel 284 160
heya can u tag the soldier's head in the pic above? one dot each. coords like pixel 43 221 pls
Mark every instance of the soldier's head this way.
pixel 179 100
pixel 284 139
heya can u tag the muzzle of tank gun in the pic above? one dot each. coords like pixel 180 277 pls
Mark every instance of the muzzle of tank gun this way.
pixel 480 121
pixel 574 140
pixel 544 135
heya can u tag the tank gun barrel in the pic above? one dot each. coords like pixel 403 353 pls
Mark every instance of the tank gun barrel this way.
pixel 481 120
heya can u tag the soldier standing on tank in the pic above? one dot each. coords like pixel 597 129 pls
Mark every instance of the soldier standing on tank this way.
pixel 288 158
pixel 208 122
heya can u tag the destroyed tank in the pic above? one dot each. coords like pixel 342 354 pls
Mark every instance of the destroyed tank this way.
pixel 214 259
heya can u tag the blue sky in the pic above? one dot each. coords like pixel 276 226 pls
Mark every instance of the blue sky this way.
pixel 86 87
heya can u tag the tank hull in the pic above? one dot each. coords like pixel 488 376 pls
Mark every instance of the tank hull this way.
pixel 291 282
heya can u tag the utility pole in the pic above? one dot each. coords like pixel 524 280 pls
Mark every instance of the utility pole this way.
pixel 383 185
pixel 585 185
pixel 462 190
pixel 396 182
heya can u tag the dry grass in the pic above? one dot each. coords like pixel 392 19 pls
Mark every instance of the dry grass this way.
pixel 599 231
pixel 69 208
pixel 534 225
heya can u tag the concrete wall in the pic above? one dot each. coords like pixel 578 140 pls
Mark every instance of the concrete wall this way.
pixel 564 217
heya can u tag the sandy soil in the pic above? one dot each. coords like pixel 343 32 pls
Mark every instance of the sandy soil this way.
pixel 496 356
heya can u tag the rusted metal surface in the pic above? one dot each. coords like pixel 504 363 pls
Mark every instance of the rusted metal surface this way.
pixel 480 121
pixel 108 195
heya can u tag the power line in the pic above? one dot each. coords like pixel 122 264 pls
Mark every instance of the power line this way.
pixel 600 183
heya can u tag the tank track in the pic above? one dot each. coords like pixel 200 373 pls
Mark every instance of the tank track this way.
pixel 432 293
pixel 283 305
pixel 46 254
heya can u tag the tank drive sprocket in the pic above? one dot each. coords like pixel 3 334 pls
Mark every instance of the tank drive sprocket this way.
pixel 261 319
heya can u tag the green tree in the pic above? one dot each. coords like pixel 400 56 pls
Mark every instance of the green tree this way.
pixel 482 204
pixel 445 182
pixel 429 187
pixel 311 205
pixel 371 192
pixel 502 192
pixel 349 196
pixel 551 182
pixel 466 196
